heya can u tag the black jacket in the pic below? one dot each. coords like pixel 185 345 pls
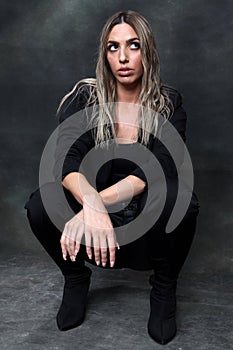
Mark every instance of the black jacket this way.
pixel 74 106
pixel 98 168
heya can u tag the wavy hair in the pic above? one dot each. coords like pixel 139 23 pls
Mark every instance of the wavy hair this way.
pixel 153 97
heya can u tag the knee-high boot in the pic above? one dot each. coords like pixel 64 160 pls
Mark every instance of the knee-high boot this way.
pixel 73 307
pixel 168 254
pixel 162 319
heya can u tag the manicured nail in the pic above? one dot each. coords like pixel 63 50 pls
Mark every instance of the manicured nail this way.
pixel 76 252
pixel 112 263
pixel 89 256
pixel 64 256
pixel 97 263
pixel 103 264
pixel 118 247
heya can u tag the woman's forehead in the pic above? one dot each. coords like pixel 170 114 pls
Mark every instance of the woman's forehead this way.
pixel 122 30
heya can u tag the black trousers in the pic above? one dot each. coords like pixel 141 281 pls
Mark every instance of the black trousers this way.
pixel 145 253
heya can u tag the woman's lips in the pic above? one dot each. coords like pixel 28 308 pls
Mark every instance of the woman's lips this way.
pixel 124 71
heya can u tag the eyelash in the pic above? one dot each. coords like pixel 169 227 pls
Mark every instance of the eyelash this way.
pixel 116 46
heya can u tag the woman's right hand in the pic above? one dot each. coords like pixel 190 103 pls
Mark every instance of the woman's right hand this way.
pixel 72 235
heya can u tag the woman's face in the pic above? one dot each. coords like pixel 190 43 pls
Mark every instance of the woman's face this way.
pixel 124 55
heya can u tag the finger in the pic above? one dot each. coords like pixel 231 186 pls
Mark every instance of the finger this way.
pixel 78 239
pixel 96 245
pixel 71 249
pixel 67 237
pixel 63 246
pixel 67 242
pixel 63 243
pixel 71 243
pixel 112 249
pixel 76 248
pixel 88 244
pixel 104 251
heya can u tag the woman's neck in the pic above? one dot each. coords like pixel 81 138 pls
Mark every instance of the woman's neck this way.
pixel 129 94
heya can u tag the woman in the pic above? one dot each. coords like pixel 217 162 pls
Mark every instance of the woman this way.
pixel 127 101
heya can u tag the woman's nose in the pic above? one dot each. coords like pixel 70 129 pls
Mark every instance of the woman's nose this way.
pixel 123 58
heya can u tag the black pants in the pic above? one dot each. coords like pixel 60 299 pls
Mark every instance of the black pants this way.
pixel 142 254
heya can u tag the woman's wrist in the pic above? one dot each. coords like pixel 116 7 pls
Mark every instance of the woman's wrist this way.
pixel 109 195
pixel 94 201
pixel 122 190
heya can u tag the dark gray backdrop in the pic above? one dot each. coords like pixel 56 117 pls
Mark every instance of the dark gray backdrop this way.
pixel 46 46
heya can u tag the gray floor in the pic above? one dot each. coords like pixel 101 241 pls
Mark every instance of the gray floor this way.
pixel 118 304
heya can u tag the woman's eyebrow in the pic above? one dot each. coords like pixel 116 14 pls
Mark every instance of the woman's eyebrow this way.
pixel 132 39
pixel 128 41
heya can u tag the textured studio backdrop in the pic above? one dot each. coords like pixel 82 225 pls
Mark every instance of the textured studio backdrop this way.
pixel 46 46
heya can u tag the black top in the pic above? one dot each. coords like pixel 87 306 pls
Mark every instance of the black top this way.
pixel 122 167
pixel 98 166
pixel 106 166
pixel 70 161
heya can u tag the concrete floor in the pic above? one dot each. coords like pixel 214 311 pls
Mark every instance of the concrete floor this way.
pixel 118 304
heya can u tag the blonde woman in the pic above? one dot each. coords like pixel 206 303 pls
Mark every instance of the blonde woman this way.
pixel 127 100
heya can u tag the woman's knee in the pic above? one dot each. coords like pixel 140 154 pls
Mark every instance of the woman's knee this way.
pixel 35 209
pixel 50 204
pixel 39 202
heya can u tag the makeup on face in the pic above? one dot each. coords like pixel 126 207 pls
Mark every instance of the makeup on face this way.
pixel 124 54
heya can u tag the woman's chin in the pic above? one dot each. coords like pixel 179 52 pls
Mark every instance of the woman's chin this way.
pixel 129 81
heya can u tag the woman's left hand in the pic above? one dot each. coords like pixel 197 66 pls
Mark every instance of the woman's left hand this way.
pixel 99 230
pixel 94 222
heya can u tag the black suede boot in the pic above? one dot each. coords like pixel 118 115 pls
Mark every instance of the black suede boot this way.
pixel 162 319
pixel 72 310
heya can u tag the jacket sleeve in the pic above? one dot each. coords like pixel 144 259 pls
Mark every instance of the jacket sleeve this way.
pixel 74 138
pixel 167 148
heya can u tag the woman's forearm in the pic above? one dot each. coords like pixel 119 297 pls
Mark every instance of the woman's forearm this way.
pixel 125 189
pixel 78 185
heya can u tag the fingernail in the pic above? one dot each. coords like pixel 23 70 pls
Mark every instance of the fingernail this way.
pixel 97 263
pixel 112 263
pixel 76 252
pixel 118 247
pixel 89 256
pixel 64 256
pixel 103 264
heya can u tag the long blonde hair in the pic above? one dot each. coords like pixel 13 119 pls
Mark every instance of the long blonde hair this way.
pixel 102 90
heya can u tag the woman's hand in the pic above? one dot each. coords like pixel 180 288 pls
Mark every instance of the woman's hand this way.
pixel 72 235
pixel 93 221
pixel 98 227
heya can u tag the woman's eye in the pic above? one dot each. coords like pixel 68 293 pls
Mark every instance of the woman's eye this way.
pixel 112 47
pixel 135 45
pixel 115 47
